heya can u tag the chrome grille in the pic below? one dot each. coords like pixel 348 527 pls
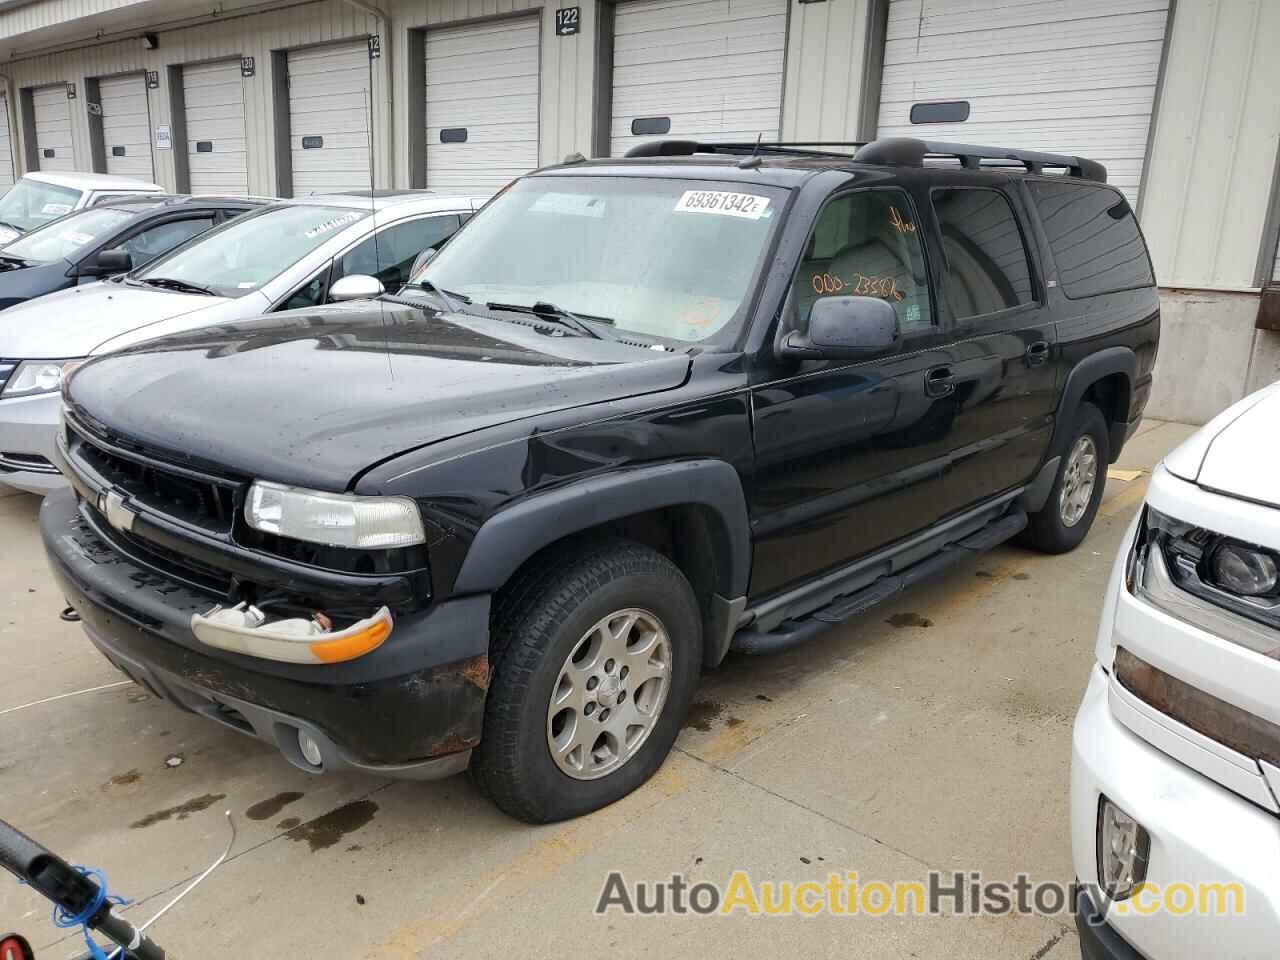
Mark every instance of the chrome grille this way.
pixel 6 371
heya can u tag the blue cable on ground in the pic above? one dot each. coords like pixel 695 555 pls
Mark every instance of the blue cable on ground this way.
pixel 65 921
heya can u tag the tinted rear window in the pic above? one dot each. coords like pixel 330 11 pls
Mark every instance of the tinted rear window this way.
pixel 1094 238
pixel 987 267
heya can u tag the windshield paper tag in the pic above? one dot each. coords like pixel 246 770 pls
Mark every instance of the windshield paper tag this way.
pixel 333 224
pixel 745 205
pixel 57 209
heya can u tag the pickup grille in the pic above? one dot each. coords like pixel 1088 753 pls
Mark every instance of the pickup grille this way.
pixel 6 371
pixel 187 496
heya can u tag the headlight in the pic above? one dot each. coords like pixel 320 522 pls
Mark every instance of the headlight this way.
pixel 1243 569
pixel 334 519
pixel 38 376
pixel 1224 586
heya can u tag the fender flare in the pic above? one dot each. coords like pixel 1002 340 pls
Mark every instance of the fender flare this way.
pixel 511 536
pixel 1084 375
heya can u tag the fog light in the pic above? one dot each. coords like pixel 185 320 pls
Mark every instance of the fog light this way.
pixel 1123 849
pixel 310 749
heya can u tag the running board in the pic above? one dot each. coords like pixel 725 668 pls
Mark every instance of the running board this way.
pixel 790 633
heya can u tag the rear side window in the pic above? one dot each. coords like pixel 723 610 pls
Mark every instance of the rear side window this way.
pixel 1094 238
pixel 987 268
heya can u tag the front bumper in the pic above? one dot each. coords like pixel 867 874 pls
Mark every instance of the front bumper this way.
pixel 1097 940
pixel 28 431
pixel 413 708
pixel 1200 832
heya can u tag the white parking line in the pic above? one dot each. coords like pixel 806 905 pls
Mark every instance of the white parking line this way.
pixel 63 696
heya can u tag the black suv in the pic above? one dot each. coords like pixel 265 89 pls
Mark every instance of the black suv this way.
pixel 636 414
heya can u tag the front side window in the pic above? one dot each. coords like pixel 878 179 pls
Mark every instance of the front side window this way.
pixel 149 244
pixel 866 244
pixel 670 259
pixel 389 254
pixel 1094 238
pixel 239 257
pixel 30 203
pixel 63 239
pixel 987 268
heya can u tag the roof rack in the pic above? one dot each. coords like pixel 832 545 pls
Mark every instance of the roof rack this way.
pixel 687 148
pixel 910 152
pixel 898 151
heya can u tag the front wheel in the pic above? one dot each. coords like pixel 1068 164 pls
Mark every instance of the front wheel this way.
pixel 596 658
pixel 1064 520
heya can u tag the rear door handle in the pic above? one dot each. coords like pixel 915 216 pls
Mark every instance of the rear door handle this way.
pixel 1037 353
pixel 939 382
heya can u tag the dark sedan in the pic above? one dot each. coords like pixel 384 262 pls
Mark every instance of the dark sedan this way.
pixel 107 239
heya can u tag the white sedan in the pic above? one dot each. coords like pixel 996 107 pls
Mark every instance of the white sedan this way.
pixel 289 255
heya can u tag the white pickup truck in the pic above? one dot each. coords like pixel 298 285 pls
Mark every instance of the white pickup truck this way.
pixel 1175 774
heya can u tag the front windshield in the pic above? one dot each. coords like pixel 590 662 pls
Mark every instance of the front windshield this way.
pixel 61 239
pixel 671 259
pixel 30 203
pixel 252 249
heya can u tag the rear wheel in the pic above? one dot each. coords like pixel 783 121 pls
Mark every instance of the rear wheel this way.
pixel 596 658
pixel 1064 520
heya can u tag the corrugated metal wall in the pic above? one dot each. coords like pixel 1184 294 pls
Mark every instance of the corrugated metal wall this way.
pixel 254 35
pixel 567 91
pixel 1210 167
pixel 826 63
pixel 1213 153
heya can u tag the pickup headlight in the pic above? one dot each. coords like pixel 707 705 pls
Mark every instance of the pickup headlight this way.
pixel 38 376
pixel 1219 584
pixel 334 519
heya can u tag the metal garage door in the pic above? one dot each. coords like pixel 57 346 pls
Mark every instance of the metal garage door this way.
pixel 6 147
pixel 1075 77
pixel 126 126
pixel 53 128
pixel 213 94
pixel 697 69
pixel 482 105
pixel 329 118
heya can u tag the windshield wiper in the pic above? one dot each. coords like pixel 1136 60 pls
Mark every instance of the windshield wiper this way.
pixel 448 296
pixel 549 311
pixel 12 226
pixel 169 283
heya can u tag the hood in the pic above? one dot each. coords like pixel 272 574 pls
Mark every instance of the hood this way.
pixel 80 321
pixel 1235 453
pixel 25 283
pixel 314 399
pixel 8 235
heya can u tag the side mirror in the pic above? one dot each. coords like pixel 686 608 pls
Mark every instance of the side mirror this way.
pixel 845 328
pixel 422 259
pixel 108 262
pixel 357 286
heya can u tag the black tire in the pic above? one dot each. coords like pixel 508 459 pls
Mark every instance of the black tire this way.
pixel 1047 530
pixel 537 622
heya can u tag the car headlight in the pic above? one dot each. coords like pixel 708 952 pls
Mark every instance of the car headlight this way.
pixel 334 519
pixel 1219 584
pixel 38 376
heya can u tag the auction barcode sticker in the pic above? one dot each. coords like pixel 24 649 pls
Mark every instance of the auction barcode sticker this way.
pixel 721 202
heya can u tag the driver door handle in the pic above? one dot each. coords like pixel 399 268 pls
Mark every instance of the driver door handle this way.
pixel 939 382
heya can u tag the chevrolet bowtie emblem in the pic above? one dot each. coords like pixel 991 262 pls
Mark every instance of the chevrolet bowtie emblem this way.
pixel 111 505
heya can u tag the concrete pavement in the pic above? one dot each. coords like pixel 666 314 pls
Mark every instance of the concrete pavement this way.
pixel 931 733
